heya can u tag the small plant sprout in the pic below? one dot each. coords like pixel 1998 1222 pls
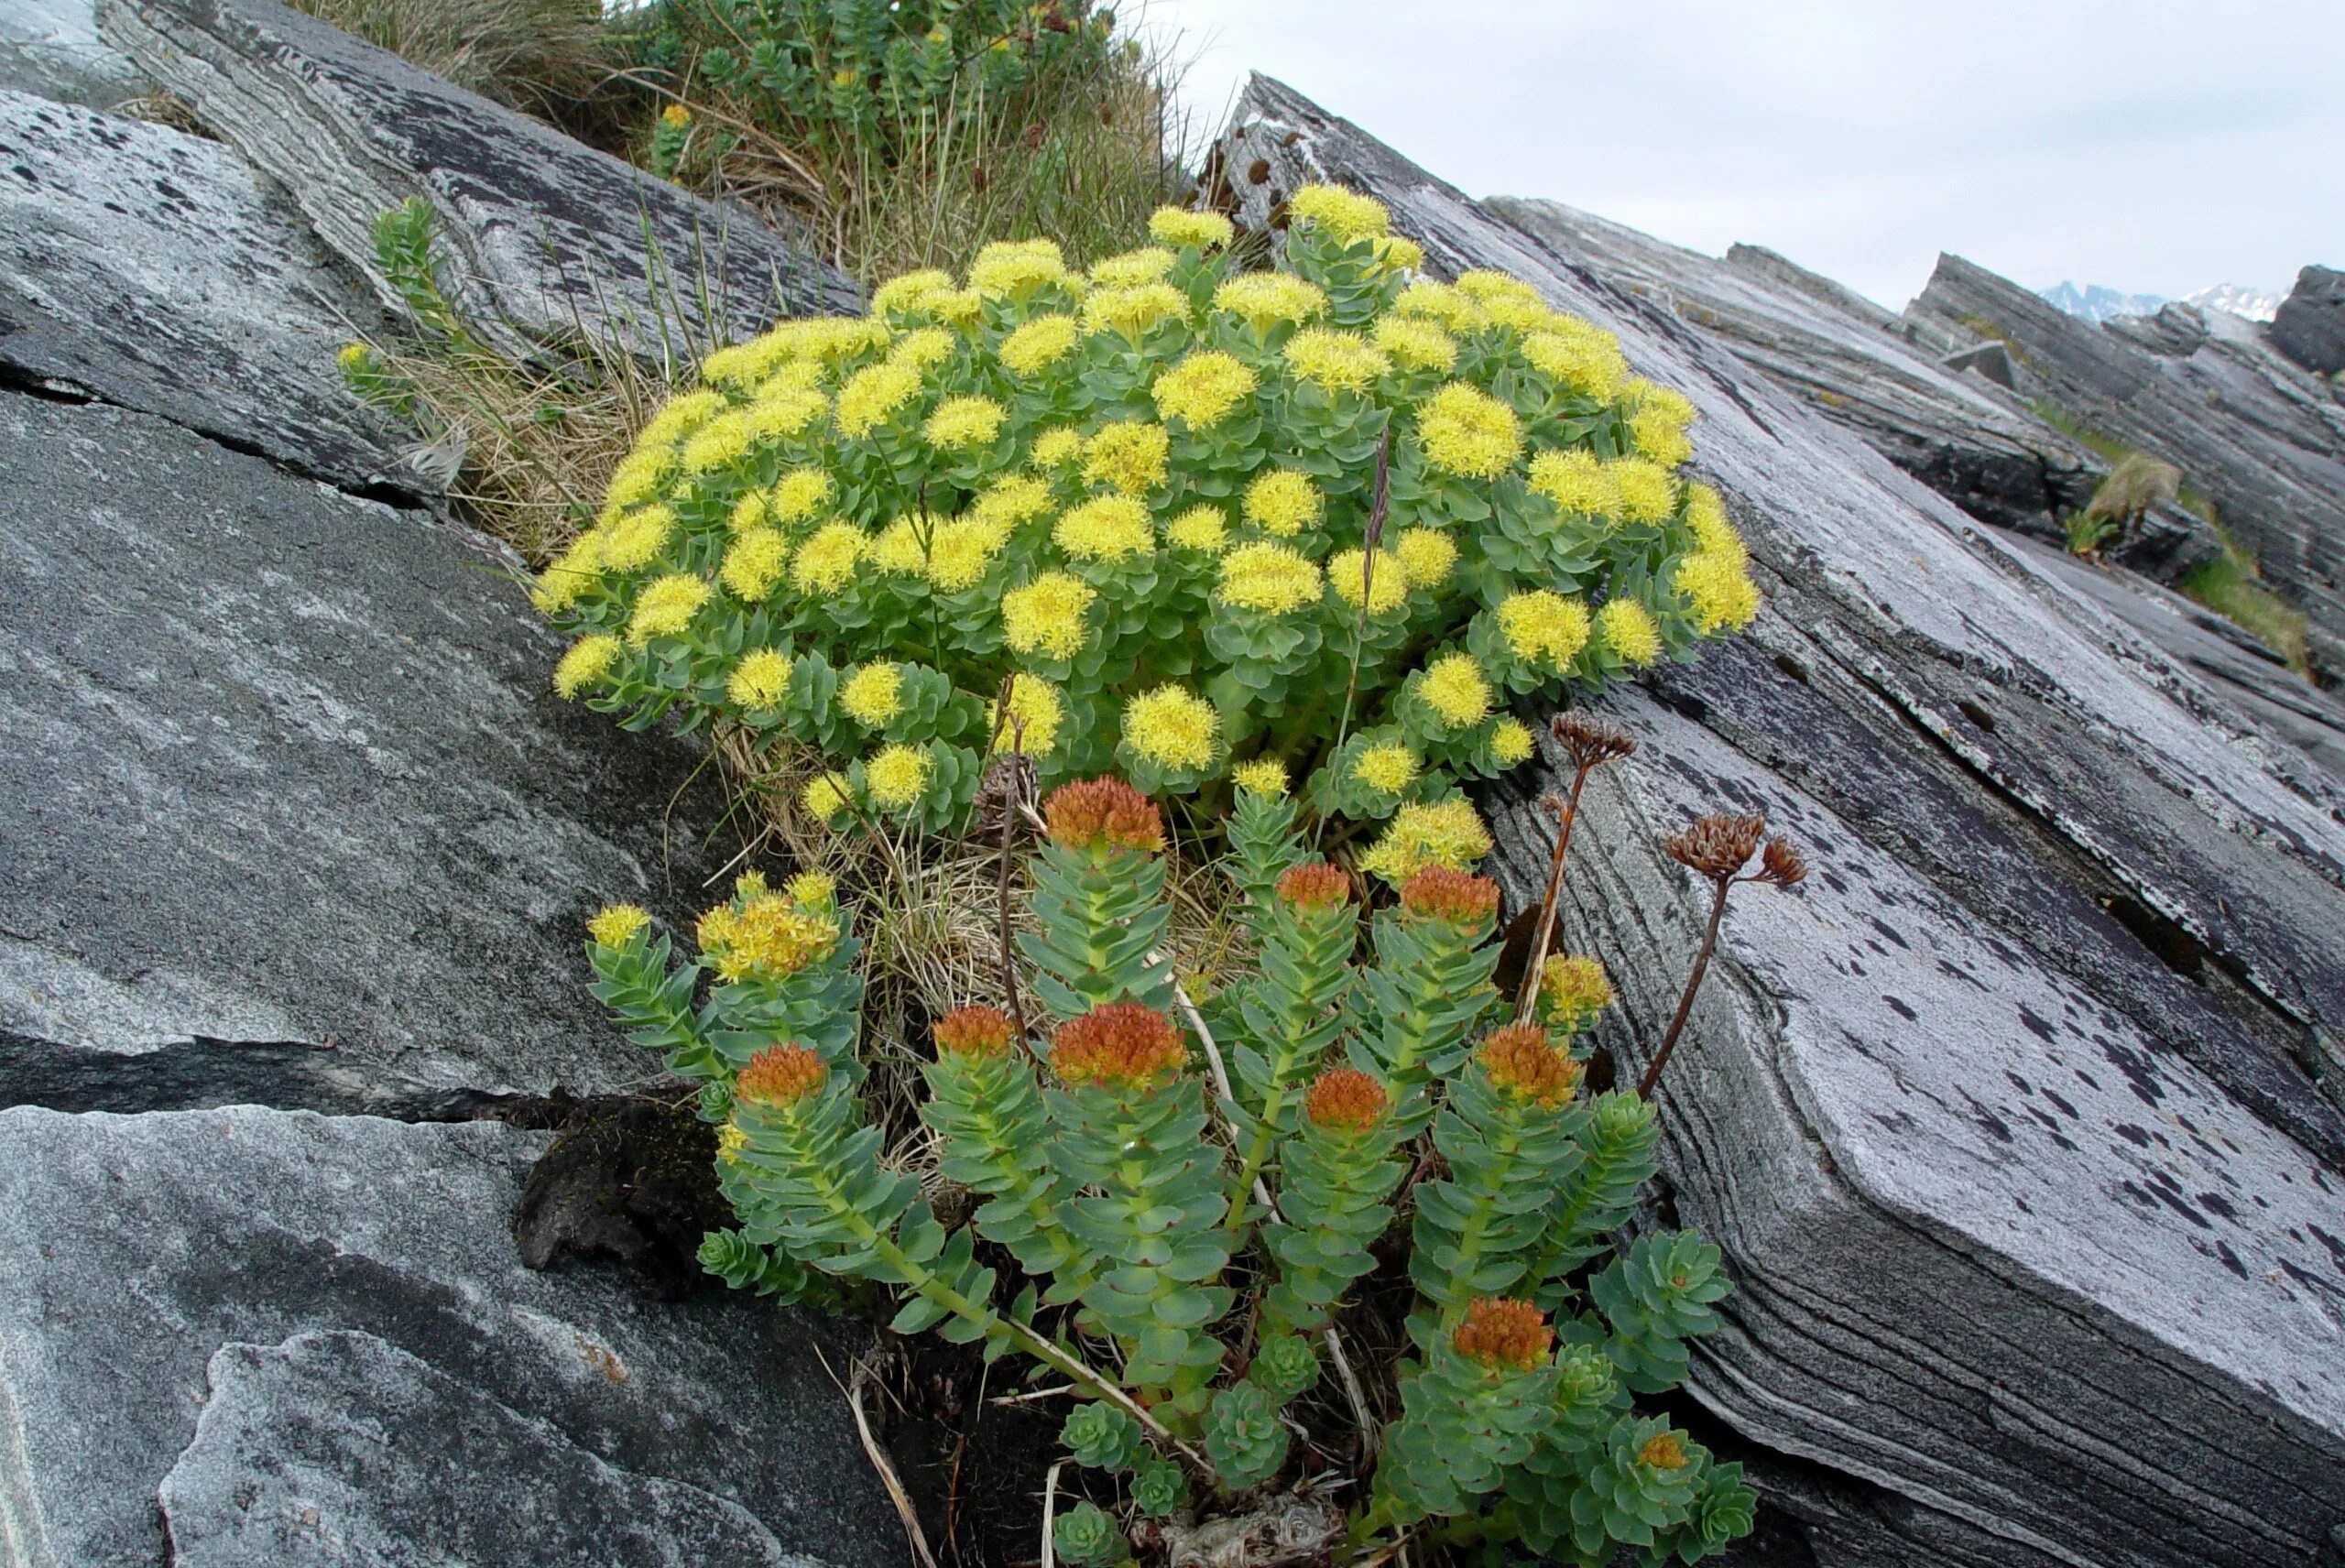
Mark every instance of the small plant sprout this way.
pixel 1718 848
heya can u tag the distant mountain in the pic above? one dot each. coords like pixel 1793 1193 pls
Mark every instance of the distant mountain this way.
pixel 2097 303
pixel 2255 304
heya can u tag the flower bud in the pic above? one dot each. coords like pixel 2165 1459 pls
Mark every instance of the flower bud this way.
pixel 781 1075
pixel 1503 1333
pixel 1099 813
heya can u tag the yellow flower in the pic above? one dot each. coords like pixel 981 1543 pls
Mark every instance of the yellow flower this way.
pixel 1275 579
pixel 826 561
pixel 1482 286
pixel 1579 357
pixel 1468 432
pixel 1648 492
pixel 1454 689
pixel 761 680
pixel 799 493
pixel 1264 775
pixel 1181 229
pixel 1334 361
pixel 1035 714
pixel 1133 310
pixel 898 550
pixel 872 394
pixel 1573 989
pixel 1576 483
pixel 1713 535
pixel 873 694
pixel 721 443
pixel 584 664
pixel 743 364
pixel 796 376
pixel 896 777
pixel 1388 583
pixel 923 349
pixel 1201 389
pixel 960 423
pixel 1427 556
pixel 960 552
pixel 812 889
pixel 1440 302
pixel 1108 528
pixel 910 292
pixel 1396 254
pixel 1173 727
pixel 1720 591
pixel 824 797
pixel 1416 344
pixel 1627 630
pixel 754 563
pixel 1542 628
pixel 1386 768
pixel 782 411
pixel 1263 300
pixel 1134 267
pixel 751 884
pixel 1525 312
pixel 1053 449
pixel 1282 502
pixel 1203 528
pixel 1046 616
pixel 679 417
pixel 1129 455
pixel 569 574
pixel 637 539
pixel 353 356
pixel 961 307
pixel 1510 743
pixel 836 339
pixel 1659 437
pixel 1044 341
pixel 1446 833
pixel 1017 268
pixel 748 512
pixel 1343 213
pixel 613 924
pixel 676 115
pixel 730 1142
pixel 666 606
pixel 767 938
pixel 1011 500
pixel 636 478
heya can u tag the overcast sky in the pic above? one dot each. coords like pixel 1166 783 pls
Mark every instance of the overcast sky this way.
pixel 2151 146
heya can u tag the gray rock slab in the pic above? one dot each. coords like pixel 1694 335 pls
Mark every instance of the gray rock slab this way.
pixel 145 266
pixel 2009 1121
pixel 2261 437
pixel 541 233
pixel 338 1447
pixel 2309 326
pixel 309 1339
pixel 51 48
pixel 291 813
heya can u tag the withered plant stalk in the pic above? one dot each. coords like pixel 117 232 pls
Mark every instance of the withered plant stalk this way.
pixel 1590 742
pixel 1718 847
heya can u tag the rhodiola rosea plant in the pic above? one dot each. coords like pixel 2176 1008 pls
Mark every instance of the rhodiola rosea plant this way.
pixel 1177 1204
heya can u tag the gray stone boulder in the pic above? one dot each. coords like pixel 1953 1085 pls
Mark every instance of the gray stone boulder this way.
pixel 2309 327
pixel 542 234
pixel 246 1337
pixel 2016 1123
pixel 294 817
pixel 51 48
pixel 145 268
pixel 2259 438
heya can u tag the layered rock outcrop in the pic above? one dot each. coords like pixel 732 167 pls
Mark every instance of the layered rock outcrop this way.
pixel 2018 1123
pixel 2309 326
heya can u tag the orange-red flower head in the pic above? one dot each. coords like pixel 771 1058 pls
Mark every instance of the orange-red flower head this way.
pixel 1315 887
pixel 1458 896
pixel 1503 1333
pixel 1343 1100
pixel 1523 1063
pixel 1117 1045
pixel 1662 1451
pixel 973 1031
pixel 1103 812
pixel 781 1075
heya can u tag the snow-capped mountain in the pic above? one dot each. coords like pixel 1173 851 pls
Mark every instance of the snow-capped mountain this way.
pixel 2097 303
pixel 2238 299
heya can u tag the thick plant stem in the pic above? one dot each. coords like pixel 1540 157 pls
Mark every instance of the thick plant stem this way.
pixel 1527 996
pixel 1685 1002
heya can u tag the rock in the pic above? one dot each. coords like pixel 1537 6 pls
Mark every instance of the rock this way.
pixel 543 233
pixel 311 1336
pixel 2309 326
pixel 145 268
pixel 50 48
pixel 630 1179
pixel 2008 1121
pixel 294 816
pixel 2260 440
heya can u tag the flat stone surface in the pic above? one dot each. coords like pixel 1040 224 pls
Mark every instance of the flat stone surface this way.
pixel 145 266
pixel 2007 1120
pixel 309 1340
pixel 292 815
pixel 540 232
pixel 50 48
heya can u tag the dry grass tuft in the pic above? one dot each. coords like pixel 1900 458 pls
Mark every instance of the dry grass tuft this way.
pixel 547 58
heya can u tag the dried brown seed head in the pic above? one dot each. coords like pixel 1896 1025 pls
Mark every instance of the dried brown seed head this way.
pixel 1716 846
pixel 1784 865
pixel 1590 741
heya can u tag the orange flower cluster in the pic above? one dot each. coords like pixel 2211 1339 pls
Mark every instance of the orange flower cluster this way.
pixel 973 1031
pixel 1662 1451
pixel 781 1075
pixel 1343 1100
pixel 1522 1062
pixel 1315 887
pixel 1498 1333
pixel 1117 1045
pixel 1101 813
pixel 1458 896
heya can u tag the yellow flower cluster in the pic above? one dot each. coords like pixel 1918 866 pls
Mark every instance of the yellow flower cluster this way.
pixel 760 935
pixel 1388 580
pixel 872 695
pixel 613 924
pixel 1439 833
pixel 1468 432
pixel 1541 627
pixel 1336 362
pixel 1454 689
pixel 1274 579
pixel 1127 455
pixel 1282 502
pixel 1201 389
pixel 1173 727
pixel 1046 616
